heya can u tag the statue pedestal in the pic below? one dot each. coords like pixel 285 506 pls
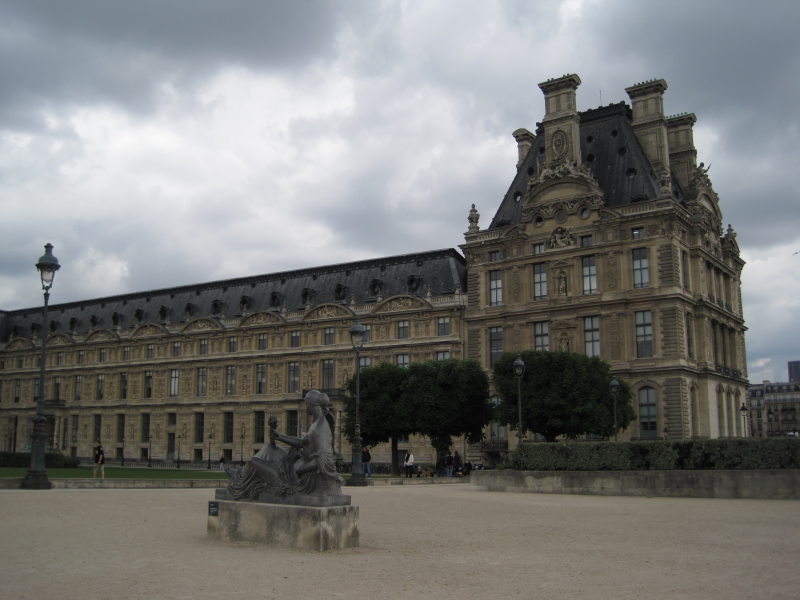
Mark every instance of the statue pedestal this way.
pixel 318 528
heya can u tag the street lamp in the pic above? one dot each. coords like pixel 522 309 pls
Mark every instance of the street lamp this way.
pixel 36 479
pixel 614 392
pixel 210 437
pixel 357 332
pixel 241 452
pixel 123 449
pixel 743 412
pixel 150 450
pixel 519 371
pixel 179 451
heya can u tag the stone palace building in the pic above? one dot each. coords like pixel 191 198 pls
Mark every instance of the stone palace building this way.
pixel 609 241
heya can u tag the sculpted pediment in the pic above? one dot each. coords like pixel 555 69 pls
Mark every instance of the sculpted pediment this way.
pixel 262 318
pixel 148 330
pixel 20 344
pixel 399 303
pixel 59 340
pixel 101 335
pixel 327 311
pixel 202 325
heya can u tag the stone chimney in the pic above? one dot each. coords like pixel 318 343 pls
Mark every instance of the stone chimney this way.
pixel 682 153
pixel 647 101
pixel 561 122
pixel 525 140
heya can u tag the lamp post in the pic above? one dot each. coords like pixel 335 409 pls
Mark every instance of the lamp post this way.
pixel 614 392
pixel 210 437
pixel 36 478
pixel 357 332
pixel 519 371
pixel 179 452
pixel 743 412
pixel 123 451
pixel 150 450
pixel 241 451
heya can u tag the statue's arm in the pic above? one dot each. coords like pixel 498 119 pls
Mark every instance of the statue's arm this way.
pixel 295 442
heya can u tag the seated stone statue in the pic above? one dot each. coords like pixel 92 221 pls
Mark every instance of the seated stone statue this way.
pixel 305 474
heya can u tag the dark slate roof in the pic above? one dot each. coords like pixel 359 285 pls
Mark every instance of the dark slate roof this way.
pixel 610 148
pixel 440 271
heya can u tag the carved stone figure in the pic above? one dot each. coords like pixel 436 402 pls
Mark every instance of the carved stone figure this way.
pixel 305 474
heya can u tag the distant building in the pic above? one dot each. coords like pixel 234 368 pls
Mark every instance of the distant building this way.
pixel 609 242
pixel 774 407
pixel 794 370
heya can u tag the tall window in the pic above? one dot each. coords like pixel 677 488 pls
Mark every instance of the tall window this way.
pixel 495 344
pixel 328 374
pixel 123 386
pixel 59 359
pixel 258 429
pixel 541 336
pixel 120 428
pixel 292 423
pixel 150 351
pixel 443 326
pixel 202 381
pixel 262 341
pixel 203 345
pixel 126 353
pixel 647 413
pixel 495 288
pixel 81 357
pixel 230 380
pixel 402 360
pixel 367 333
pixel 644 333
pixel 294 339
pixel 641 268
pixel 232 343
pixel 685 269
pixel 57 388
pixel 539 281
pixel 78 384
pixel 102 355
pixel 591 335
pixel 18 388
pixel 689 336
pixel 98 422
pixel 293 379
pixel 402 330
pixel 199 427
pixel 101 387
pixel 328 336
pixel 261 379
pixel 443 355
pixel 589 269
pixel 148 384
pixel 174 383
pixel 145 427
pixel 227 428
pixel 176 348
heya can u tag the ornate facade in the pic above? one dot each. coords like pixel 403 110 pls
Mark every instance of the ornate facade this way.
pixel 609 241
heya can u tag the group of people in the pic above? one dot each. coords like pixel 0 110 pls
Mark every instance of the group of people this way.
pixel 452 462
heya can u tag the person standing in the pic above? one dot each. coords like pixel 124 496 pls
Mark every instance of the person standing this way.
pixel 366 461
pixel 221 462
pixel 448 463
pixel 99 461
pixel 458 464
pixel 408 463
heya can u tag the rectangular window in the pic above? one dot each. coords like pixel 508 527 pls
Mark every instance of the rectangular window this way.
pixel 689 336
pixel 174 383
pixel 685 269
pixel 81 357
pixel 145 427
pixel 443 355
pixel 59 359
pixel 293 377
pixel 443 326
pixel 294 340
pixel 262 341
pixel 78 390
pixel 199 427
pixel 232 343
pixel 202 381
pixel 637 233
pixel 230 380
pixel 328 336
pixel 589 270
pixel 644 333
pixel 57 388
pixel 402 330
pixel 203 344
pixel 292 423
pixel 176 348
pixel 123 386
pixel 261 379
pixel 591 336
pixel 126 353
pixel 495 344
pixel 227 428
pixel 101 387
pixel 494 255
pixel 365 361
pixel 328 374
pixel 586 241
pixel 98 422
pixel 641 268
pixel 541 336
pixel 102 355
pixel 647 414
pixel 539 281
pixel 258 429
pixel 120 428
pixel 172 419
pixel 150 351
pixel 538 249
pixel 401 360
pixel 495 288
pixel 367 333
pixel 148 384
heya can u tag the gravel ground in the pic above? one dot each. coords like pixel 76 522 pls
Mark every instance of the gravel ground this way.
pixel 431 541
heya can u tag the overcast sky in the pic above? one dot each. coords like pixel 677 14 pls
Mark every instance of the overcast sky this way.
pixel 161 142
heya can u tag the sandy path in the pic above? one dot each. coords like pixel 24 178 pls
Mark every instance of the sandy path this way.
pixel 445 541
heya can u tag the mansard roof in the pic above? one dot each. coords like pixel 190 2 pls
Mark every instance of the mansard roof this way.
pixel 438 271
pixel 611 151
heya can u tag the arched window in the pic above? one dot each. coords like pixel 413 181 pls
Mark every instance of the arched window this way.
pixel 648 426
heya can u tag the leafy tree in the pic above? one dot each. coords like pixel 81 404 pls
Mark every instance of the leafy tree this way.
pixel 448 398
pixel 562 394
pixel 383 414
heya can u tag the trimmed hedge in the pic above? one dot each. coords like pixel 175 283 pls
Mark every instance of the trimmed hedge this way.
pixel 52 460
pixel 768 453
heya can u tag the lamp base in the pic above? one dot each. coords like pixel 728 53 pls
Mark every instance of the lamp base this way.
pixel 36 480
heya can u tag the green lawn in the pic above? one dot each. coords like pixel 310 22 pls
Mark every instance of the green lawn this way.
pixel 119 473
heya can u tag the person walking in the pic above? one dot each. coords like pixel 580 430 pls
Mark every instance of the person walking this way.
pixel 99 461
pixel 408 463
pixel 448 464
pixel 458 464
pixel 221 462
pixel 366 461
